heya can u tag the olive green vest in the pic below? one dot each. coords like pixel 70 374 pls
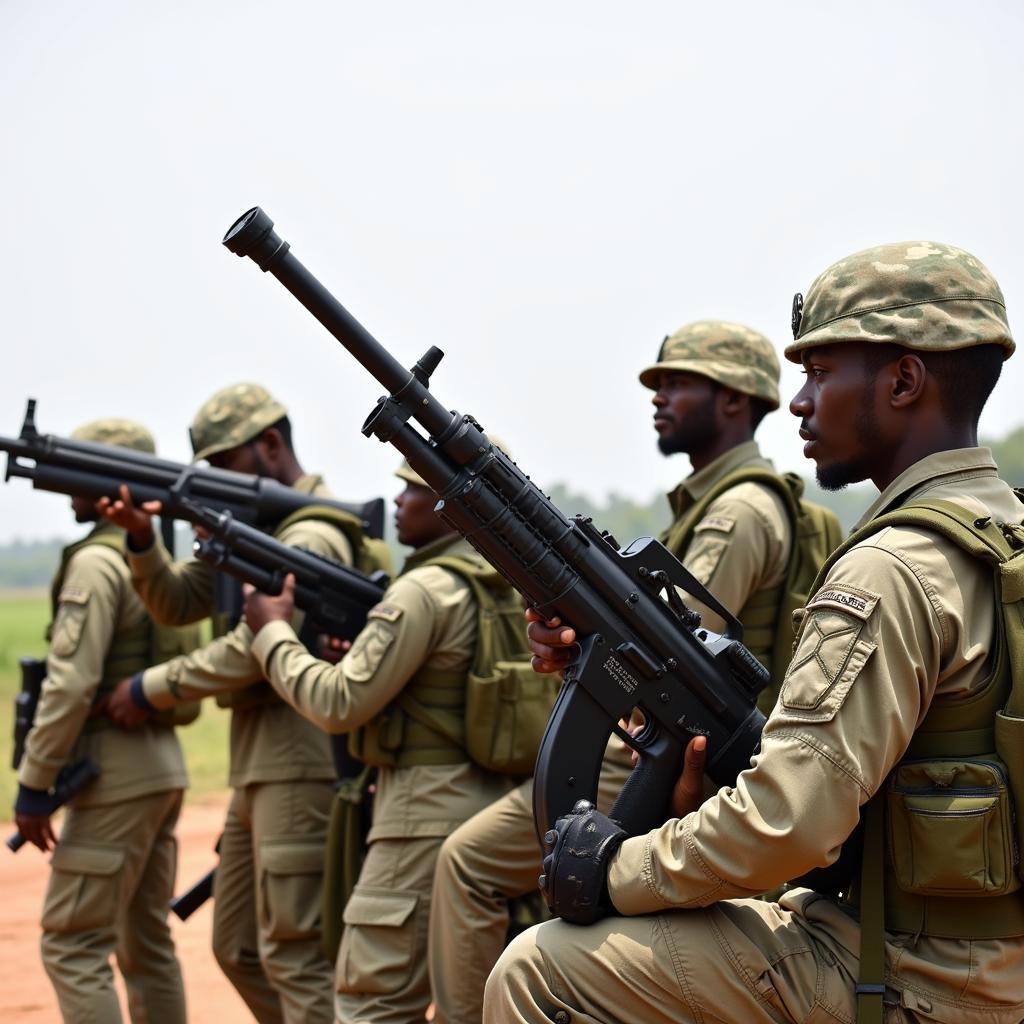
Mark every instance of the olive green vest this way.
pixel 766 615
pixel 426 723
pixel 368 555
pixel 131 650
pixel 910 818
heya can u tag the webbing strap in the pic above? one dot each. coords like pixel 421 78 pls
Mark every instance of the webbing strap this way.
pixel 871 977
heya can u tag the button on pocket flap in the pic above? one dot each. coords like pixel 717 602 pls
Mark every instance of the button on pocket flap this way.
pixel 382 907
pixel 293 858
pixel 78 859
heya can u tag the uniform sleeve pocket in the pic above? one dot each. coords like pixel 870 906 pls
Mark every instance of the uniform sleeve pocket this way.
pixel 83 888
pixel 829 656
pixel 70 621
pixel 291 876
pixel 378 945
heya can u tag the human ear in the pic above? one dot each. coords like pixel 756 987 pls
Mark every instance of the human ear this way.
pixel 907 380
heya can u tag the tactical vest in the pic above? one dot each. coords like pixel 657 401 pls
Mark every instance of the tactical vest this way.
pixel 942 837
pixel 131 650
pixel 426 723
pixel 368 555
pixel 768 614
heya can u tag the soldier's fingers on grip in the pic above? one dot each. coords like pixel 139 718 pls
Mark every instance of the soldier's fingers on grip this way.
pixel 532 615
pixel 559 636
pixel 545 667
pixel 696 755
pixel 557 655
pixel 288 589
pixel 248 590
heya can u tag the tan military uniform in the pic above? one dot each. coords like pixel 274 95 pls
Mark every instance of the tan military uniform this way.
pixel 740 547
pixel 113 869
pixel 902 619
pixel 266 933
pixel 426 621
pixel 742 543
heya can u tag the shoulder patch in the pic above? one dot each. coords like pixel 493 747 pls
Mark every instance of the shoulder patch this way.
pixel 845 598
pixel 388 613
pixel 73 595
pixel 723 524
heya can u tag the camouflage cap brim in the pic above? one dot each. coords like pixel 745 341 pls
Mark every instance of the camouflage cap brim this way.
pixel 746 380
pixel 925 296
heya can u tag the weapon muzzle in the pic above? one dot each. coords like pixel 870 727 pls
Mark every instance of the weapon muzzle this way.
pixel 253 235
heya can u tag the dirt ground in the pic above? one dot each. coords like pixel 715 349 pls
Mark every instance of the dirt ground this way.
pixel 25 992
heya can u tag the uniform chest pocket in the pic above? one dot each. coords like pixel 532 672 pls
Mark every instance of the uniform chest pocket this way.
pixel 951 828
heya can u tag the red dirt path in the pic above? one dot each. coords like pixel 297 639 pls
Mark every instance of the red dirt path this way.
pixel 25 992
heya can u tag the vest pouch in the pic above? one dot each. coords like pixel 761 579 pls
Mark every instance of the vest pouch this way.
pixel 378 741
pixel 950 828
pixel 507 712
pixel 1010 745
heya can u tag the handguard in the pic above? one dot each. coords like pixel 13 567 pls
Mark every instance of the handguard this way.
pixel 577 852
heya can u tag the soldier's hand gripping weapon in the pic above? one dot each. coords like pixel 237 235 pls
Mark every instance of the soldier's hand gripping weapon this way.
pixel 87 469
pixel 640 646
pixel 73 778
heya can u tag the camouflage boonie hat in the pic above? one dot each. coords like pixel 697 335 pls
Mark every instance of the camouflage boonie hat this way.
pixel 731 354
pixel 232 417
pixel 117 432
pixel 410 476
pixel 921 295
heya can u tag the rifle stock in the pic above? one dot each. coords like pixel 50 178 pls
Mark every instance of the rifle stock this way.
pixel 640 646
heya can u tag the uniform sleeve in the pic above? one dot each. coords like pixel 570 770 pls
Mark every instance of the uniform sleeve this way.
pixel 396 641
pixel 87 612
pixel 228 663
pixel 740 546
pixel 863 674
pixel 174 593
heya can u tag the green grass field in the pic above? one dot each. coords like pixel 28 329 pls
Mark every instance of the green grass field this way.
pixel 23 618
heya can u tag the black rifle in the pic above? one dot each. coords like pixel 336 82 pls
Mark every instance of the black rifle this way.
pixel 185 905
pixel 89 470
pixel 640 646
pixel 73 778
pixel 70 782
pixel 33 672
pixel 334 597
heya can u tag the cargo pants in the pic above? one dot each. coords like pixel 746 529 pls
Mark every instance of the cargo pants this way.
pixel 493 858
pixel 266 916
pixel 112 875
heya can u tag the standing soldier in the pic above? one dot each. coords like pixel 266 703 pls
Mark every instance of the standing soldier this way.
pixel 900 708
pixel 113 868
pixel 713 383
pixel 400 693
pixel 266 919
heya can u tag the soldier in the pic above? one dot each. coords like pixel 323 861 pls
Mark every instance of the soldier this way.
pixel 113 868
pixel 400 693
pixel 897 679
pixel 266 926
pixel 713 383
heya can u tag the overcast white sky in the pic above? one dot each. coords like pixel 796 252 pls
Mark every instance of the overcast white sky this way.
pixel 543 190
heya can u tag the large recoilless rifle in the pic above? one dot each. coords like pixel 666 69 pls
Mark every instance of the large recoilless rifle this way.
pixel 640 646
pixel 87 469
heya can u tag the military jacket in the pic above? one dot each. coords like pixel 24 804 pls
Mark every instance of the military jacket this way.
pixel 270 742
pixel 95 604
pixel 742 543
pixel 902 618
pixel 426 619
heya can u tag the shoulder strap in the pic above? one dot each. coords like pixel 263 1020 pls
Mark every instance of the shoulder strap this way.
pixel 788 487
pixel 349 524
